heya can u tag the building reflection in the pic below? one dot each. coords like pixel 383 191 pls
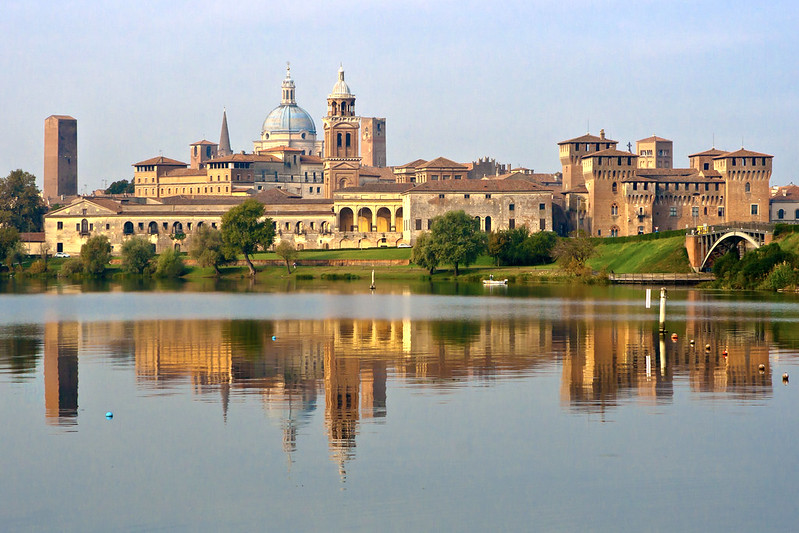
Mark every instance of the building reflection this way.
pixel 605 357
pixel 61 340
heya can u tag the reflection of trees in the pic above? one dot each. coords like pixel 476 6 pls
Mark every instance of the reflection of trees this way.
pixel 20 347
pixel 460 332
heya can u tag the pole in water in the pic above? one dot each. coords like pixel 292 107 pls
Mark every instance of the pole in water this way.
pixel 649 298
pixel 662 309
pixel 372 286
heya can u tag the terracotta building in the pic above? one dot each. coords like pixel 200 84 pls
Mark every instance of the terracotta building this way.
pixel 618 194
pixel 60 157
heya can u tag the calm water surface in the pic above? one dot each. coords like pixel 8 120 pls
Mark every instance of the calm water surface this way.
pixel 322 407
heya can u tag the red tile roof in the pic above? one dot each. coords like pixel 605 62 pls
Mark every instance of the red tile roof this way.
pixel 441 162
pixel 203 142
pixel 160 160
pixel 742 153
pixel 654 138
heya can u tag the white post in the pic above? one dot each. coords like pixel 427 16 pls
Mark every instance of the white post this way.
pixel 372 286
pixel 663 310
pixel 649 298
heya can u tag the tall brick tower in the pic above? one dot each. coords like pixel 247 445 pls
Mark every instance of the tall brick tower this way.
pixel 60 157
pixel 342 159
pixel 373 141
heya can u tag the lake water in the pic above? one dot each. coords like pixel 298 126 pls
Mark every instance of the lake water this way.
pixel 323 407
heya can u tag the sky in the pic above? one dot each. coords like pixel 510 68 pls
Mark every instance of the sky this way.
pixel 462 80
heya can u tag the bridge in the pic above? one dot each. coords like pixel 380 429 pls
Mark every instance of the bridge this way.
pixel 706 244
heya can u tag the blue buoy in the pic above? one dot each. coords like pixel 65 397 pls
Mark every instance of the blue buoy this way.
pixel 274 338
pixel 109 415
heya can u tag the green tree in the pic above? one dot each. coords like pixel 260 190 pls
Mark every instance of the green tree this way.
pixel 9 237
pixel 286 251
pixel 424 252
pixel 121 187
pixel 21 206
pixel 243 232
pixel 95 254
pixel 208 249
pixel 15 254
pixel 542 245
pixel 170 265
pixel 457 239
pixel 137 252
pixel 574 252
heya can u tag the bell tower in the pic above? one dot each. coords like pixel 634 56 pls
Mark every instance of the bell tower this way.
pixel 342 129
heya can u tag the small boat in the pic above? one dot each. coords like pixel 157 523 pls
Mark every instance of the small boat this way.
pixel 491 281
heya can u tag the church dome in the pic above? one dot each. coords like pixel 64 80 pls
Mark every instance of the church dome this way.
pixel 288 118
pixel 341 89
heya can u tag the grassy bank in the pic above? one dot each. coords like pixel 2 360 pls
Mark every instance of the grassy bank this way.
pixel 628 256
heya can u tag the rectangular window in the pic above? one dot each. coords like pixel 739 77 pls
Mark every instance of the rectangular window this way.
pixel 542 207
pixel 754 209
pixel 706 166
pixel 310 190
pixel 429 223
pixel 108 226
pixel 694 211
pixel 441 196
pixel 318 189
pixel 457 176
pixel 512 223
pixel 59 247
pixel 721 211
pixel 77 227
pixel 672 211
pixel 512 207
pixel 466 196
pixel 418 224
pixel 60 225
pixel 488 196
pixel 213 224
pixel 542 224
pixel 434 177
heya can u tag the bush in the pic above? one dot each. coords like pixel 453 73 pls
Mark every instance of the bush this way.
pixel 38 267
pixel 170 265
pixel 71 267
pixel 782 276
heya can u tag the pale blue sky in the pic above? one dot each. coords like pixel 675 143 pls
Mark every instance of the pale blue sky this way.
pixel 456 79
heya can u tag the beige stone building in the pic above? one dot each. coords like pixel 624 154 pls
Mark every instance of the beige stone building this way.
pixel 785 205
pixel 342 134
pixel 495 204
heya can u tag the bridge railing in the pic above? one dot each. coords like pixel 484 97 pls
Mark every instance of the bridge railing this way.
pixel 732 226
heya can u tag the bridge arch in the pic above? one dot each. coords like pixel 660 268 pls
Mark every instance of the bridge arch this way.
pixel 725 243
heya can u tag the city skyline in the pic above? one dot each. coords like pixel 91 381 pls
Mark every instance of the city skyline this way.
pixel 459 80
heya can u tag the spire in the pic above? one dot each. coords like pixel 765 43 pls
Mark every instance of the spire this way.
pixel 224 138
pixel 288 88
pixel 341 89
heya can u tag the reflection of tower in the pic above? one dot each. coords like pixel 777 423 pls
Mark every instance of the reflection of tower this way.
pixel 373 394
pixel 342 160
pixel 61 372
pixel 342 382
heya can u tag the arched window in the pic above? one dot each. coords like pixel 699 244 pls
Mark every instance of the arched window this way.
pixel 349 140
pixel 747 187
pixel 488 224
pixel 84 226
pixel 338 140
pixel 614 210
pixel 614 187
pixel 152 228
pixel 796 214
pixel 127 229
pixel 781 214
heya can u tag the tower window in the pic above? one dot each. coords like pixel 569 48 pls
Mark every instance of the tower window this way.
pixel 338 140
pixel 349 140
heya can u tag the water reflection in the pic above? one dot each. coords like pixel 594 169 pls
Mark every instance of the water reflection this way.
pixel 607 353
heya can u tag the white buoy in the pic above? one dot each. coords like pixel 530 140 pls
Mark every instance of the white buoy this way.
pixel 663 309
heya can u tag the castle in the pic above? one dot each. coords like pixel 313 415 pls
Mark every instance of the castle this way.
pixel 610 192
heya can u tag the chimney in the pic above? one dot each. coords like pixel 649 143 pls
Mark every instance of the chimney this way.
pixel 602 134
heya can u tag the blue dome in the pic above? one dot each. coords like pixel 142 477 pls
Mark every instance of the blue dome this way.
pixel 287 118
